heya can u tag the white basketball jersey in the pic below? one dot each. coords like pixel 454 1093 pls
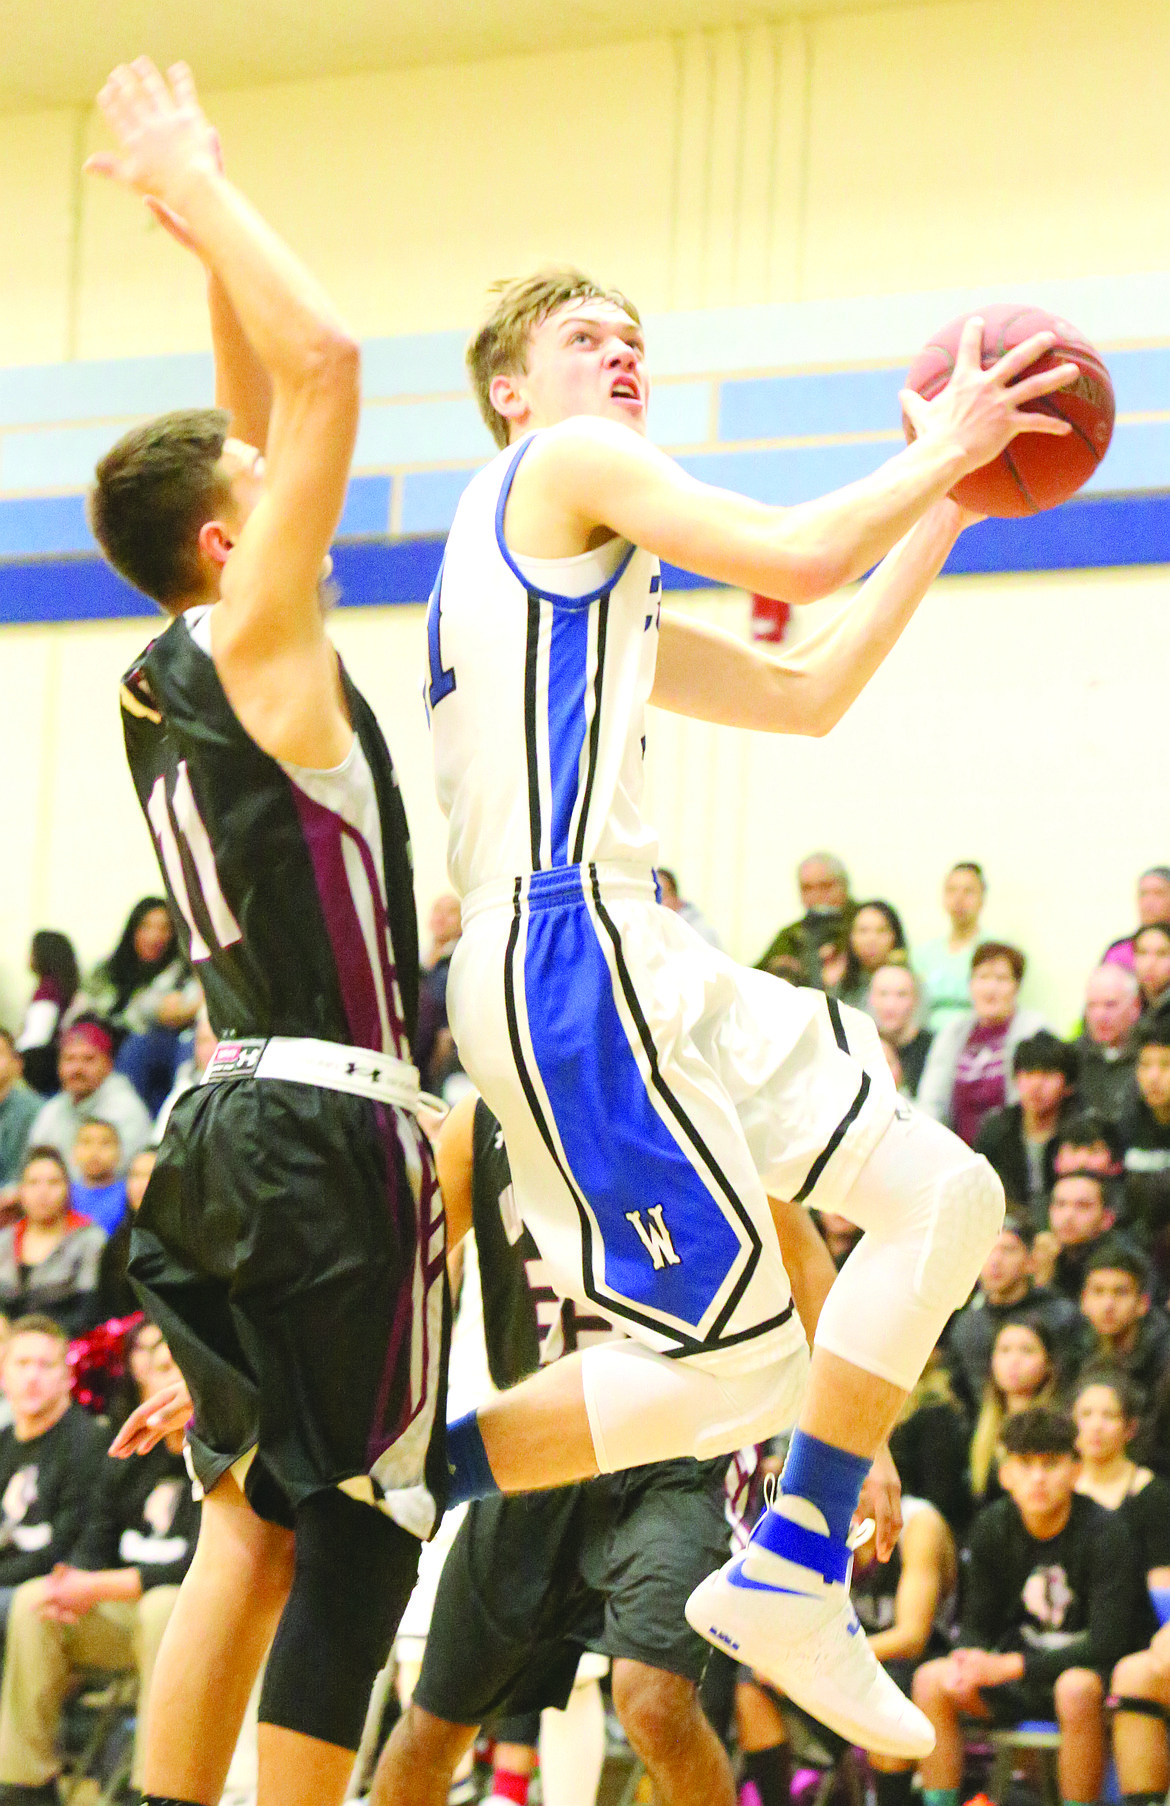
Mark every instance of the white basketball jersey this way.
pixel 539 671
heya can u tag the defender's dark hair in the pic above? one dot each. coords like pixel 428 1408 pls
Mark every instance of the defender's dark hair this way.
pixel 152 493
pixel 1038 1431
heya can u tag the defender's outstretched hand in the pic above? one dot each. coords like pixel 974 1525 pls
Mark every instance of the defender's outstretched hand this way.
pixel 981 411
pixel 160 128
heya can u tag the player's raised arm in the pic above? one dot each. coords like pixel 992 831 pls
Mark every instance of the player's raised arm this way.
pixel 168 151
pixel 711 674
pixel 593 473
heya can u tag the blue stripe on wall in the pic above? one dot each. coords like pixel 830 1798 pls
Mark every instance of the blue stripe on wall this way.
pixel 794 407
pixel 1087 534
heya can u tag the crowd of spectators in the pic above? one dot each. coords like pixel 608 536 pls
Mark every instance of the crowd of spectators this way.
pixel 1037 1443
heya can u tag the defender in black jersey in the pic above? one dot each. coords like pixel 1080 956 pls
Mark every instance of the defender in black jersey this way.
pixel 291 1242
pixel 534 1579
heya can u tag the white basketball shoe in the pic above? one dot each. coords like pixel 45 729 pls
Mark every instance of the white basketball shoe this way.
pixel 782 1608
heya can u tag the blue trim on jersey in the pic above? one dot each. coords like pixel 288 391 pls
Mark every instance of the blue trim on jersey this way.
pixel 568 656
pixel 546 595
pixel 618 1149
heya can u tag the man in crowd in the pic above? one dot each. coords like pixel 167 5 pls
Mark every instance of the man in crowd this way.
pixel 1122 1328
pixel 1080 1218
pixel 90 1090
pixel 1020 1139
pixel 98 1193
pixel 1051 1602
pixel 1106 1054
pixel 1145 1134
pixel 19 1105
pixel 50 1456
pixel 828 912
pixel 106 1609
pixel 1006 1286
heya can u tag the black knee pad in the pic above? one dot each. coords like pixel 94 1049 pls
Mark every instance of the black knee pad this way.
pixel 355 1570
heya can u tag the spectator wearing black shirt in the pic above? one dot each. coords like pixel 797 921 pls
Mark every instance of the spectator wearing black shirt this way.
pixel 1006 1288
pixel 49 1457
pixel 1052 1592
pixel 1105 1051
pixel 1079 1219
pixel 1145 1134
pixel 1020 1139
pixel 1120 1327
pixel 108 1610
pixel 894 1001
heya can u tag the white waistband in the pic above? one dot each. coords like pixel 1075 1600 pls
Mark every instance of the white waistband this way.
pixel 357 1070
pixel 563 884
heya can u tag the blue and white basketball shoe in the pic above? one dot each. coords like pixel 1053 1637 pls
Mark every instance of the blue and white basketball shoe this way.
pixel 782 1608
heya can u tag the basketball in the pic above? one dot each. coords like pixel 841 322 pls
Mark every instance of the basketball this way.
pixel 1036 471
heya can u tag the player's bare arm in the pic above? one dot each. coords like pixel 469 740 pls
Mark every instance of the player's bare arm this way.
pixel 708 673
pixel 454 1163
pixel 587 478
pixel 270 649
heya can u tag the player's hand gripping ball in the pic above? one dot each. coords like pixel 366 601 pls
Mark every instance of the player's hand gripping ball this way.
pixel 1036 471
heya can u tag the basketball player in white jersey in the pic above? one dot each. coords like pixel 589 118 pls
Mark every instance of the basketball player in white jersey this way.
pixel 651 1092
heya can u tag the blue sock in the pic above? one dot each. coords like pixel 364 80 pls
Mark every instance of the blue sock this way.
pixel 828 1477
pixel 467 1462
pixel 940 1796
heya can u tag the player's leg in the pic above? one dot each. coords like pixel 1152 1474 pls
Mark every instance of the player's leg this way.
pixel 353 1572
pixel 1080 1712
pixel 1141 1751
pixel 661 1715
pixel 418 1764
pixel 941 1771
pixel 216 1638
pixel 762 1735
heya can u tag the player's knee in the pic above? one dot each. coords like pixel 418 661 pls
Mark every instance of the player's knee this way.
pixel 966 1216
pixel 927 1686
pixel 656 1709
pixel 1134 1674
pixel 429 1743
pixel 1079 1694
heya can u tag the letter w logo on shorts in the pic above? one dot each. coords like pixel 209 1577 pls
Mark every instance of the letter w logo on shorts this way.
pixel 655 1239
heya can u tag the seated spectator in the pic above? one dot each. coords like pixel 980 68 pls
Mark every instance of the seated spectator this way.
pixel 1106 1054
pixel 928 1445
pixel 1151 966
pixel 1121 1329
pixel 190 1071
pixel 116 1298
pixel 1105 1409
pixel 108 1609
pixel 906 1608
pixel 1020 1139
pixel 91 1088
pixel 1079 1219
pixel 1007 1289
pixel 49 1258
pixel 53 964
pixel 828 911
pixel 1153 905
pixel 50 1456
pixel 142 1343
pixel 98 1193
pixel 19 1105
pixel 1023 1372
pixel 944 965
pixel 691 914
pixel 1051 1593
pixel 1145 1136
pixel 875 936
pixel 968 1070
pixel 435 1051
pixel 146 991
pixel 893 1002
pixel 1087 1143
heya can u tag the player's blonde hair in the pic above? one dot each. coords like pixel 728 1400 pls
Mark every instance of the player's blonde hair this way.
pixel 500 347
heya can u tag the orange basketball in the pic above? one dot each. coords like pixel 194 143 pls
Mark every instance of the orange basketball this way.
pixel 1037 470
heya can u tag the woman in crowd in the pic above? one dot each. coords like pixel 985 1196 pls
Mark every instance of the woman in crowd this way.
pixel 1151 964
pixel 894 1000
pixel 49 1258
pixel 875 934
pixel 1105 1411
pixel 1023 1373
pixel 968 1070
pixel 147 993
pixel 53 964
pixel 944 965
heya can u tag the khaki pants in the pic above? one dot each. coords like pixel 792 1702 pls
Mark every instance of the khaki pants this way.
pixel 42 1658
